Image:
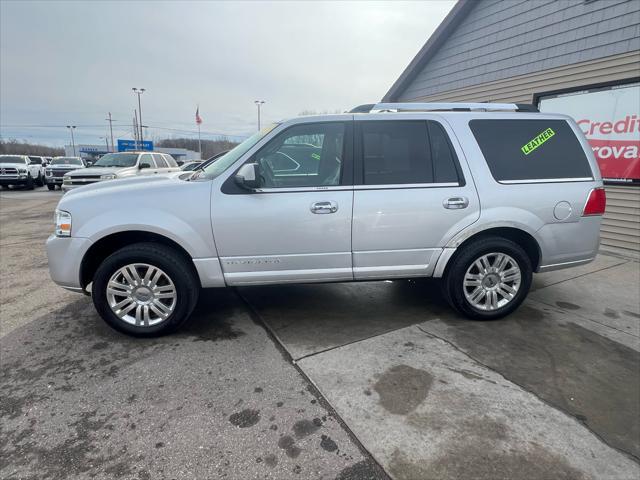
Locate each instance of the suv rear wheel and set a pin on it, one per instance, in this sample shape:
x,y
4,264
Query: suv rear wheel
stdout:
x,y
145,289
489,279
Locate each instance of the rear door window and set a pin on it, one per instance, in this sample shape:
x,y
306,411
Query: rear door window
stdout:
x,y
160,161
403,152
523,150
170,161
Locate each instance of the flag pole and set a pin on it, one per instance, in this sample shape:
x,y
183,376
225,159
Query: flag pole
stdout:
x,y
199,143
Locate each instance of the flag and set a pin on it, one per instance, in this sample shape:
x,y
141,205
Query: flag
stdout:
x,y
198,119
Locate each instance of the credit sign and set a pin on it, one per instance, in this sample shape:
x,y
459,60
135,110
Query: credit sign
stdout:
x,y
610,119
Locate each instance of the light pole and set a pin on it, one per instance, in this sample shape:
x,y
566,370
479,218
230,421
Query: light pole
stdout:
x,y
73,142
259,103
110,120
139,91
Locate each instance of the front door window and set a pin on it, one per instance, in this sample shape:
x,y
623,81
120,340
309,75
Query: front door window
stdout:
x,y
308,155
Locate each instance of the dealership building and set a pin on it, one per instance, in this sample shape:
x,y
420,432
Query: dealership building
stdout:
x,y
578,57
94,152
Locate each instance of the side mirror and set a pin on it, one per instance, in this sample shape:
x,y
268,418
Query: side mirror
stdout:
x,y
144,165
89,164
247,177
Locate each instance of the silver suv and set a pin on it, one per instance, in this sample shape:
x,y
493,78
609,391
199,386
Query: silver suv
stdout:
x,y
479,195
120,165
59,167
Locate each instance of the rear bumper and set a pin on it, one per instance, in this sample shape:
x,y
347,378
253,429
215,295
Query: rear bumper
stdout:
x,y
560,266
565,245
65,259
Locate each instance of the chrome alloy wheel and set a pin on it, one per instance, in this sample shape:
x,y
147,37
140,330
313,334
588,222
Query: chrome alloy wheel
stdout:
x,y
492,281
141,294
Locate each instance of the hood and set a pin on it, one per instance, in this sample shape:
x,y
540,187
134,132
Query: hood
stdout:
x,y
101,171
13,165
120,184
65,166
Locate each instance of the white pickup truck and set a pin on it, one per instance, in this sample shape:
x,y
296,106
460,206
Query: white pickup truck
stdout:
x,y
20,170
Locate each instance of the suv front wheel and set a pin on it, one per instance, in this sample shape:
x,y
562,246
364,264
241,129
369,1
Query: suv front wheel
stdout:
x,y
489,279
145,289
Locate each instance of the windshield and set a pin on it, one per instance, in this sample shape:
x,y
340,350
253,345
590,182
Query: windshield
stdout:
x,y
117,160
11,159
66,161
221,164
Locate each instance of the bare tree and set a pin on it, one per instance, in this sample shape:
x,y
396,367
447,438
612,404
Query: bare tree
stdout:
x,y
14,147
209,147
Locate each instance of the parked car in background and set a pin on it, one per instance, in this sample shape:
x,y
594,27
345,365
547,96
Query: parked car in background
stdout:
x,y
478,195
190,166
59,167
120,165
20,170
212,159
42,163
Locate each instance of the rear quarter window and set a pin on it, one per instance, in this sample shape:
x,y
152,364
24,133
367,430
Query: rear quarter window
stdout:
x,y
521,150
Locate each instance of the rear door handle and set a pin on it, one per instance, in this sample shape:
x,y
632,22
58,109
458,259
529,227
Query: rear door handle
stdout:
x,y
455,203
324,207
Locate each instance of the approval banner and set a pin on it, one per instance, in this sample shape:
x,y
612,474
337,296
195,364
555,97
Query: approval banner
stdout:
x,y
611,121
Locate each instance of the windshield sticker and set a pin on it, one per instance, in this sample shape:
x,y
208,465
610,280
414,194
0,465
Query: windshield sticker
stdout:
x,y
316,156
536,142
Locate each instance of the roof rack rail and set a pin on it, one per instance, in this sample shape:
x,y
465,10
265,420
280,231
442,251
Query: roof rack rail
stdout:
x,y
454,107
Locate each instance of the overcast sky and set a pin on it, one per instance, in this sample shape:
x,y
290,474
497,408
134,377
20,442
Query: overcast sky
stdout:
x,y
71,62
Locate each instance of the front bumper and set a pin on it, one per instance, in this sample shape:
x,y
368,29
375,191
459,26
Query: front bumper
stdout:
x,y
53,180
79,182
65,256
13,180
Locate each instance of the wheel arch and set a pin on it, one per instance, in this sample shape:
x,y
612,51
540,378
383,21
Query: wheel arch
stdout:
x,y
112,242
516,235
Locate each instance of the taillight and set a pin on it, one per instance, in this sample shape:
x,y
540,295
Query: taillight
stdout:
x,y
596,202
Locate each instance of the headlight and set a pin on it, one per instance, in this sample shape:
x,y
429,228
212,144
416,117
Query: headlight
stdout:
x,y
63,223
110,176
48,173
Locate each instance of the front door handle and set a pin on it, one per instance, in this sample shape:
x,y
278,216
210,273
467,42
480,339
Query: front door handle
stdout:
x,y
455,203
324,207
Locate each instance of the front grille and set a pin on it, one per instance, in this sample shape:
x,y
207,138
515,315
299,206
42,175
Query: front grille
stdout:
x,y
58,173
84,180
9,171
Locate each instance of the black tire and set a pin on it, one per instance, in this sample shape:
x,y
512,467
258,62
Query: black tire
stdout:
x,y
5,187
29,185
173,264
453,281
51,186
40,180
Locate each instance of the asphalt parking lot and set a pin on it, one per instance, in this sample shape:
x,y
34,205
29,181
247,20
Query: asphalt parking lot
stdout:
x,y
337,381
